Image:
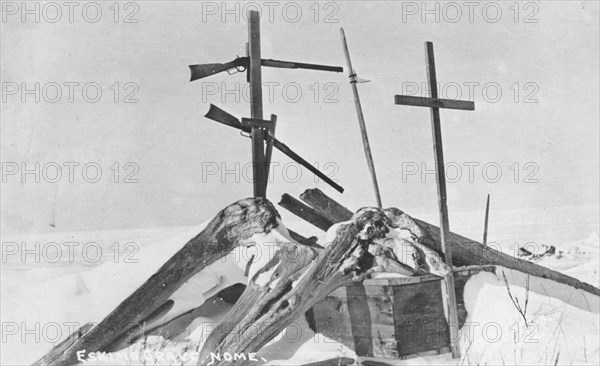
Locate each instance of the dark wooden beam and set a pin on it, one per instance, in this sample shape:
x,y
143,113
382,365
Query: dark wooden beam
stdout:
x,y
305,212
434,102
326,206
311,242
269,148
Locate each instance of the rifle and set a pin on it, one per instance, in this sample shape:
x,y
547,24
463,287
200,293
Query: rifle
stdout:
x,y
217,114
241,64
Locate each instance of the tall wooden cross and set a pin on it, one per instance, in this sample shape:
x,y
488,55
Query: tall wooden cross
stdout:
x,y
435,104
261,155
260,169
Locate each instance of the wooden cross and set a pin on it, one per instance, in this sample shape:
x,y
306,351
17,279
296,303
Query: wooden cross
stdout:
x,y
435,104
261,155
260,170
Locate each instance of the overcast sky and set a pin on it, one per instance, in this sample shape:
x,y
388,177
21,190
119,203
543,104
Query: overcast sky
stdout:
x,y
531,69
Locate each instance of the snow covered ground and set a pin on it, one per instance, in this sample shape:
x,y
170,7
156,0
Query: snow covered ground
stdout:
x,y
45,298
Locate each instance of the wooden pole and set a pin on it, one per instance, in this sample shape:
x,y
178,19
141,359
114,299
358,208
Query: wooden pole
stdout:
x,y
441,185
487,216
256,107
269,148
361,119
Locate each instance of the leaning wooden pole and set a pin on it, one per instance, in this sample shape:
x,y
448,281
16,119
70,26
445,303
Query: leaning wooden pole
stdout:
x,y
361,119
487,216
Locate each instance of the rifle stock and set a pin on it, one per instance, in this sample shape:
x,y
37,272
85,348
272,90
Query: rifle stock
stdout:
x,y
217,114
203,70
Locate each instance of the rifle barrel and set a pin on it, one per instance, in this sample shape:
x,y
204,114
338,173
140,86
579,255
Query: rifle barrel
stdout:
x,y
292,155
299,65
217,114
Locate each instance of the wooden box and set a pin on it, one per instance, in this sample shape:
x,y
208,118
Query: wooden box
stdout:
x,y
390,318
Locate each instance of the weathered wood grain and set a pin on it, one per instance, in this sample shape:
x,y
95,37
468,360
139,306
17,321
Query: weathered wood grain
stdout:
x,y
285,289
434,102
305,212
233,224
465,251
326,206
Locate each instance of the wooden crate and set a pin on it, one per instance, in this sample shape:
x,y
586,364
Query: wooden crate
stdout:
x,y
391,318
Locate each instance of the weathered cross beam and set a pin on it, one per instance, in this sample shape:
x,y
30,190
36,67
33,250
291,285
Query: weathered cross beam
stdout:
x,y
217,114
435,104
253,63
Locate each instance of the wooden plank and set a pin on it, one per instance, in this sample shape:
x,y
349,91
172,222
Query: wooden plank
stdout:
x,y
255,79
360,320
65,345
339,361
401,280
434,102
269,148
332,319
381,309
328,207
419,318
311,242
304,212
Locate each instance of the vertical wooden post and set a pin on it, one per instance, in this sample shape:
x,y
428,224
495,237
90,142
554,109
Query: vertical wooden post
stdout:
x,y
269,148
361,119
441,187
256,106
487,216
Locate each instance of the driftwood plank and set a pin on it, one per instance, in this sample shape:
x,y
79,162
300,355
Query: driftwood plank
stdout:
x,y
420,321
294,280
305,212
434,102
65,345
233,224
340,361
465,251
326,206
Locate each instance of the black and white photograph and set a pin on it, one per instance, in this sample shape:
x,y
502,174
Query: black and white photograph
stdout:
x,y
300,183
